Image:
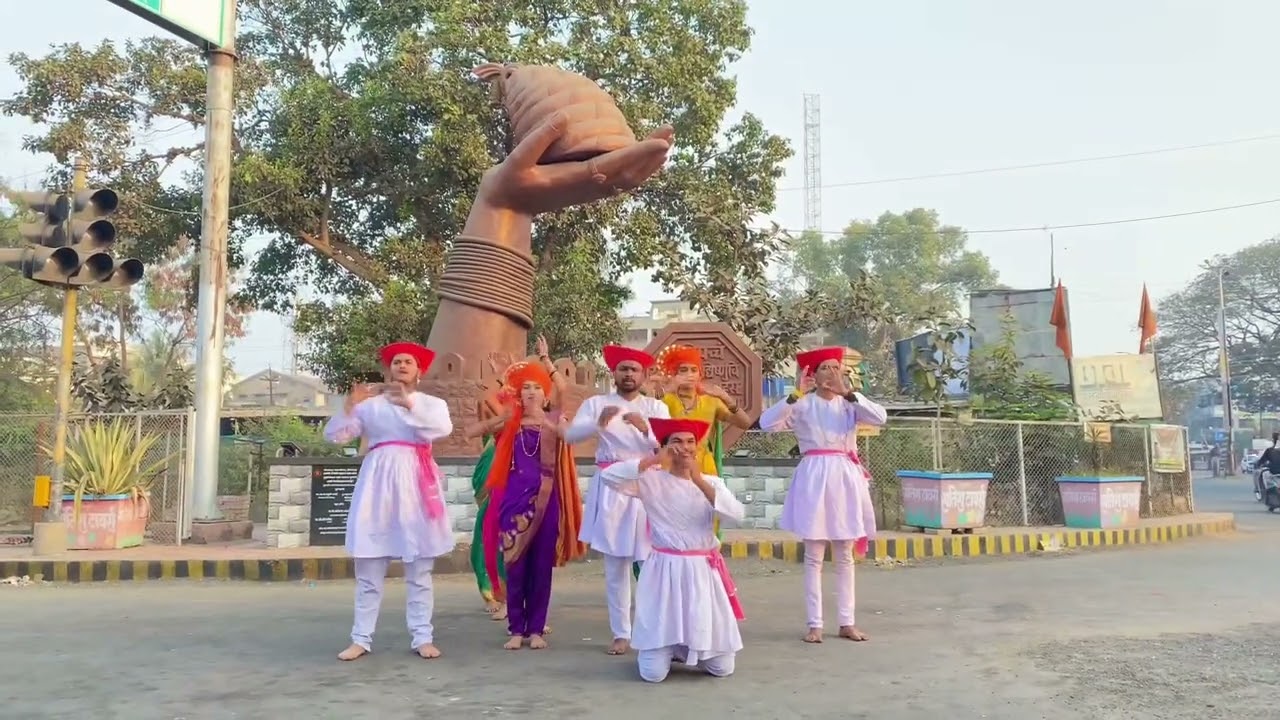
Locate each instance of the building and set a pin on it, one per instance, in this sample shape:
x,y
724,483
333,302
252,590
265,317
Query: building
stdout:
x,y
641,329
270,389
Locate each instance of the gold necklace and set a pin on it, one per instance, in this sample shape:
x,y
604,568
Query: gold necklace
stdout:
x,y
523,443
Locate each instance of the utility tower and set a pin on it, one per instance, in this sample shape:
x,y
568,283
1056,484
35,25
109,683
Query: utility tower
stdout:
x,y
812,163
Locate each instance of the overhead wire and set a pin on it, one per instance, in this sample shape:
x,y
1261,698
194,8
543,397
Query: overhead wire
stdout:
x,y
1045,164
1068,226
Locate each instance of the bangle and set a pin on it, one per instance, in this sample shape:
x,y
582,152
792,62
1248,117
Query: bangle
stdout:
x,y
732,408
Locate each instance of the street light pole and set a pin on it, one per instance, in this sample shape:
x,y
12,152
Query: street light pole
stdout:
x,y
1224,366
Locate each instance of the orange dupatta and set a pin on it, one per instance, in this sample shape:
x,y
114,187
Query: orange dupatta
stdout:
x,y
559,474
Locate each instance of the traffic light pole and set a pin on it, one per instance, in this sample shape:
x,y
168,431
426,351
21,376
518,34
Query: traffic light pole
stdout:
x,y
211,300
53,538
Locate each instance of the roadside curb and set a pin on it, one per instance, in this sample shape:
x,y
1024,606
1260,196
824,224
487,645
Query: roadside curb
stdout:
x,y
340,567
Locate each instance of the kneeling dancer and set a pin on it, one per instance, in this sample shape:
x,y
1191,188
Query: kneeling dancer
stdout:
x,y
397,508
687,607
830,495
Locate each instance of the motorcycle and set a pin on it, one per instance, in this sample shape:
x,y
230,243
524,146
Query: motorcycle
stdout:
x,y
1271,490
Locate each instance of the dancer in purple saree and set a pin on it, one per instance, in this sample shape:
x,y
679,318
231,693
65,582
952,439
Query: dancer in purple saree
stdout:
x,y
533,487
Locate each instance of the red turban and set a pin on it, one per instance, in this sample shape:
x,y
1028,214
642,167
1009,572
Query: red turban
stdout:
x,y
810,360
664,428
420,354
615,355
673,356
522,372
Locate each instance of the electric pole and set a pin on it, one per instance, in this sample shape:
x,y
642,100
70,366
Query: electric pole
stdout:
x,y
1224,365
211,300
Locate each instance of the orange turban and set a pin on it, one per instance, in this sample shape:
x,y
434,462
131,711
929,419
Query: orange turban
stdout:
x,y
673,356
522,372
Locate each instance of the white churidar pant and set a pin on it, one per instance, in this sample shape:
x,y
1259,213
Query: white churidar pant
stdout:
x,y
371,575
617,592
655,664
842,554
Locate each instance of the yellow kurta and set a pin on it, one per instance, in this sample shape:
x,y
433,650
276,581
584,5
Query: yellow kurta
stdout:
x,y
706,409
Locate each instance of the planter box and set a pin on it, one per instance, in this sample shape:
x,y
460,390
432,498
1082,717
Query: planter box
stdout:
x,y
107,522
945,501
1100,502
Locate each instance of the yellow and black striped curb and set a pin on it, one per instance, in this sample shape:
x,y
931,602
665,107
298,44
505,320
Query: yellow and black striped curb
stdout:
x,y
342,568
988,545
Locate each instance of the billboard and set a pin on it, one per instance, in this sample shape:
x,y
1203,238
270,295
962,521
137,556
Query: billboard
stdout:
x,y
1127,380
1035,341
905,352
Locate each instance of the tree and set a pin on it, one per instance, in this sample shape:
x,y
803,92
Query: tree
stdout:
x,y
361,137
1187,347
922,269
1002,389
26,340
163,317
938,363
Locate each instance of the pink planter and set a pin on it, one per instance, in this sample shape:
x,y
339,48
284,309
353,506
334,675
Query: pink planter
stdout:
x,y
1100,502
952,501
109,522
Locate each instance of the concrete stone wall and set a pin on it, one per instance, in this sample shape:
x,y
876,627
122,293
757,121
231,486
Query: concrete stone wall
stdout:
x,y
761,485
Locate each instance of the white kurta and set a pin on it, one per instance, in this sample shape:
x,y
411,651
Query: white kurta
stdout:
x,y
681,601
613,523
387,517
830,496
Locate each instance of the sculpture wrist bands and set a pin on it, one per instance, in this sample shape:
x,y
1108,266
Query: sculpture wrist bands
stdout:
x,y
491,276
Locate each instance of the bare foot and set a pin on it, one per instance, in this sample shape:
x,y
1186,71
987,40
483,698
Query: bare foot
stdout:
x,y
536,642
492,606
353,652
515,643
546,630
620,646
428,651
813,636
499,614
851,632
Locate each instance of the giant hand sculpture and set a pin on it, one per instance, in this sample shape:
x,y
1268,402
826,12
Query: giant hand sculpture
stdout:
x,y
570,150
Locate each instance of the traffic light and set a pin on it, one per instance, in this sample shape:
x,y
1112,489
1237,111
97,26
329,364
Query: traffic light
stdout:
x,y
70,245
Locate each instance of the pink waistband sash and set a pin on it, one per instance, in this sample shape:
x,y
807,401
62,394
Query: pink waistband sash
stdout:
x,y
428,475
717,564
862,545
852,455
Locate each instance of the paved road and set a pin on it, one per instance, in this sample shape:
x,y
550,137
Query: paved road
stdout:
x,y
1182,631
1235,495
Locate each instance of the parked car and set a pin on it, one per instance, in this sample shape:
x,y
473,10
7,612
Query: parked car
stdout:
x,y
1249,462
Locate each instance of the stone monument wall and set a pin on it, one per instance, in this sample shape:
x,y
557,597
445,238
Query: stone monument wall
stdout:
x,y
761,485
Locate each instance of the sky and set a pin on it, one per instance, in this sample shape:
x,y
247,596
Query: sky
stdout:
x,y
914,88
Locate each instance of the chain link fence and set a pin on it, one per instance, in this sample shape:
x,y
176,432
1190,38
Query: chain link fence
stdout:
x,y
1025,458
22,458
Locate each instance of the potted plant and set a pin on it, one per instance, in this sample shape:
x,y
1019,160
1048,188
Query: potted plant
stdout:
x,y
106,486
1106,496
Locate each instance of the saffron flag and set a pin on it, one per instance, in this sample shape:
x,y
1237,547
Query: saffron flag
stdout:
x,y
1060,320
1146,322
